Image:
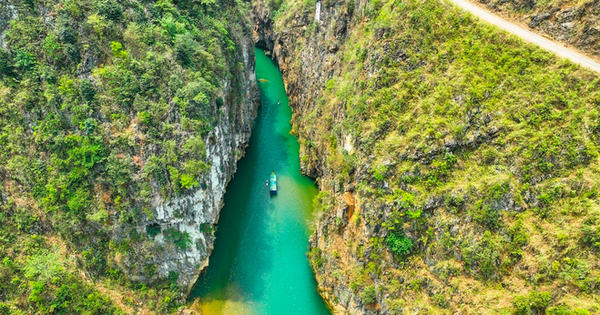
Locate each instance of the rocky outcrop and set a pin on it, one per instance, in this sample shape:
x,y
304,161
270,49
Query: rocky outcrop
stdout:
x,y
197,212
177,229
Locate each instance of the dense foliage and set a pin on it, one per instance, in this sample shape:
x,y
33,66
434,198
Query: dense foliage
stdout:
x,y
399,244
105,107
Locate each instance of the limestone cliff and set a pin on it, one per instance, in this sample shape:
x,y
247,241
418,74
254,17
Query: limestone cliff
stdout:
x,y
7,14
197,212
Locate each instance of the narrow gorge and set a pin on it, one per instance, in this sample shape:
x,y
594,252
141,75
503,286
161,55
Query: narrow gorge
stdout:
x,y
259,265
457,167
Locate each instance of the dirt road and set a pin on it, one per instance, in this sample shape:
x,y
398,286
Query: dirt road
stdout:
x,y
527,35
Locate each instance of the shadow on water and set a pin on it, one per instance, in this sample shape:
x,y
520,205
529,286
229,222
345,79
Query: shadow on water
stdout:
x,y
227,273
259,263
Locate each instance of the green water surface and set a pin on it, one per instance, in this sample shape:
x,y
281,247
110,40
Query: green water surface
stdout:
x,y
259,264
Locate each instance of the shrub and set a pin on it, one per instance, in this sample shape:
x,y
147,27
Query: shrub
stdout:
x,y
518,237
323,202
484,257
194,147
315,257
24,61
350,6
185,50
181,240
117,49
87,90
206,228
173,276
369,295
563,310
111,9
533,304
4,309
5,65
399,244
441,300
153,229
188,181
485,214
67,35
590,234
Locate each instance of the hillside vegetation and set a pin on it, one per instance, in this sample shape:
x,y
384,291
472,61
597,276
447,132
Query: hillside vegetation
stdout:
x,y
104,109
458,165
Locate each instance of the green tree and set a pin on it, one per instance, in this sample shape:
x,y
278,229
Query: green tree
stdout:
x,y
399,244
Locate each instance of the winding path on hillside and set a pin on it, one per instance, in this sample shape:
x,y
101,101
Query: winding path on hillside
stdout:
x,y
527,35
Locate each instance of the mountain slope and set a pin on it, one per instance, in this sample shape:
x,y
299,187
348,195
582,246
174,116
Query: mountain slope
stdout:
x,y
120,124
458,166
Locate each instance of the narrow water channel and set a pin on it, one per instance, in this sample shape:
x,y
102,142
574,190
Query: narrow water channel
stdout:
x,y
259,264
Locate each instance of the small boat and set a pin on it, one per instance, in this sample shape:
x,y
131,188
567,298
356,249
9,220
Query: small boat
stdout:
x,y
273,183
279,102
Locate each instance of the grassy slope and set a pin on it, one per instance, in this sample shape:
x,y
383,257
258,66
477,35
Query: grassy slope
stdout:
x,y
480,148
88,90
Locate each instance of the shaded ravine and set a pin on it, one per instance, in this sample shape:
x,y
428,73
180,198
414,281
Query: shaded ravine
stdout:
x,y
259,264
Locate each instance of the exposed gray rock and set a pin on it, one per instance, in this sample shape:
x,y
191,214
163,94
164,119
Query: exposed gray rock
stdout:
x,y
538,19
7,13
197,211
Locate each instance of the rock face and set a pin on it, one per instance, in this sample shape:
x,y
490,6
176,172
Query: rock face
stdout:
x,y
7,13
305,82
197,212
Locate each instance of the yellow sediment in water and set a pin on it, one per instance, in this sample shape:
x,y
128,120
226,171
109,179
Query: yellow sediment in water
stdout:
x,y
218,307
259,264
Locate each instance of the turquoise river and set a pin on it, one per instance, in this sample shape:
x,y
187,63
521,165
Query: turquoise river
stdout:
x,y
259,264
